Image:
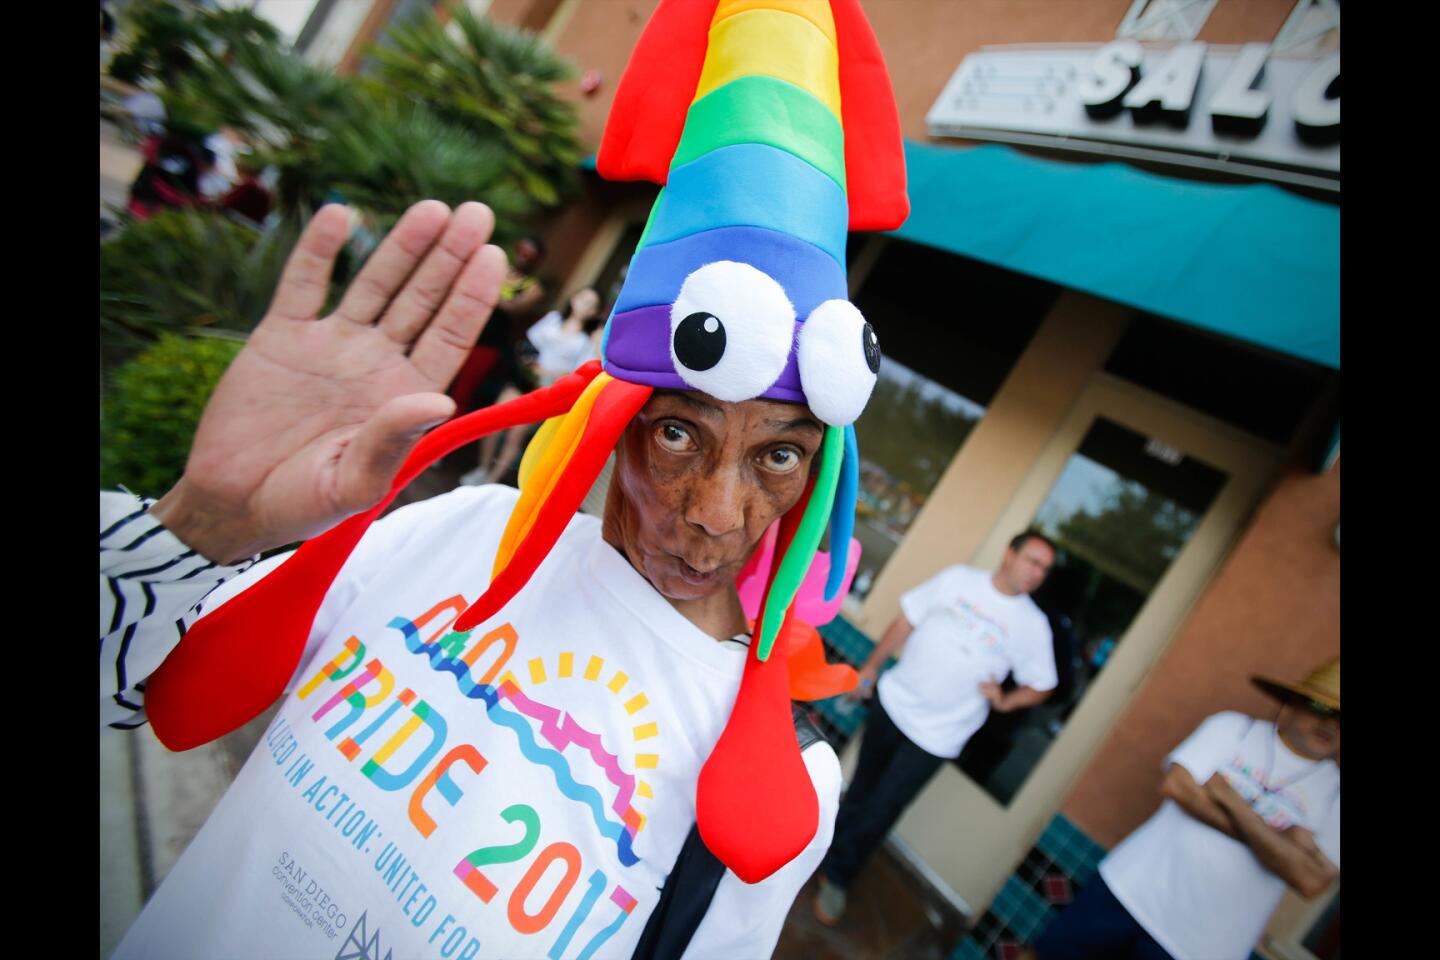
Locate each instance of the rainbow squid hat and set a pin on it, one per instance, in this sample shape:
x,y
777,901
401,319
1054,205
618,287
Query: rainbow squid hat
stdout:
x,y
772,125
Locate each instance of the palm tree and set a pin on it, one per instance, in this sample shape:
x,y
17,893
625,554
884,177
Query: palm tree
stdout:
x,y
494,81
455,118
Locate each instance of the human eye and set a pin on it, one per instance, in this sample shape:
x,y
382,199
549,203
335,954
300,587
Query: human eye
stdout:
x,y
675,438
781,460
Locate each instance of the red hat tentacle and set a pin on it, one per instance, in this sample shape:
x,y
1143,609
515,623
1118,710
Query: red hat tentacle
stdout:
x,y
755,804
615,406
234,663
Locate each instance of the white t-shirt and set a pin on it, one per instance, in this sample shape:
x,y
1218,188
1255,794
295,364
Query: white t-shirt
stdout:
x,y
224,175
965,633
518,791
559,351
1199,893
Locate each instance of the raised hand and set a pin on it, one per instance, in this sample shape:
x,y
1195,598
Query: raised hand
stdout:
x,y
314,417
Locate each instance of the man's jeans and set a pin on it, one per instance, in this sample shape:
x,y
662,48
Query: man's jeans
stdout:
x,y
889,774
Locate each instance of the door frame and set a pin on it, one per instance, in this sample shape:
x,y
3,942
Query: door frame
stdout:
x,y
972,842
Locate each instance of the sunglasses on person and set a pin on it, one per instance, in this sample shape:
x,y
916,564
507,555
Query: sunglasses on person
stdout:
x,y
1321,709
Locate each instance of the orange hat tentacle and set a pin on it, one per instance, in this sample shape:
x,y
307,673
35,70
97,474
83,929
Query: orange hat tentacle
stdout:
x,y
614,405
226,671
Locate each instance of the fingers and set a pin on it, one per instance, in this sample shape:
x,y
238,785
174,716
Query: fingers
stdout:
x,y
306,280
372,459
391,265
424,294
448,340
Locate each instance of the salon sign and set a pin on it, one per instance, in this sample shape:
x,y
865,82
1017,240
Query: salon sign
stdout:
x,y
1233,108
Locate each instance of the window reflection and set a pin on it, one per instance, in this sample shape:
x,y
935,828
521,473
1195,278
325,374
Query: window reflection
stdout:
x,y
908,434
1121,510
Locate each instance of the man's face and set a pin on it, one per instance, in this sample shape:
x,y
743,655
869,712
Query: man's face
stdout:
x,y
527,255
1023,570
699,480
1314,732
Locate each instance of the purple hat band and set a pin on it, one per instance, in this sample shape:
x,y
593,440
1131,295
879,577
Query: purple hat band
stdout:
x,y
638,350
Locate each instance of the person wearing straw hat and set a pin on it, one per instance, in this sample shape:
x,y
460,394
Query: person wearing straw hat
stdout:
x,y
1251,807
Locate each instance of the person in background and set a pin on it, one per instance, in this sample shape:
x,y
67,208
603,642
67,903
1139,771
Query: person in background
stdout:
x,y
522,289
495,372
563,339
962,632
170,178
1250,807
248,198
561,342
107,36
226,145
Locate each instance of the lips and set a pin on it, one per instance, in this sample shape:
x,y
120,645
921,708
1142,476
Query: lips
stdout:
x,y
694,576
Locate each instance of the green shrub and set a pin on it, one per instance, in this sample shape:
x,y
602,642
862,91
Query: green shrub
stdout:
x,y
186,271
496,82
164,37
149,413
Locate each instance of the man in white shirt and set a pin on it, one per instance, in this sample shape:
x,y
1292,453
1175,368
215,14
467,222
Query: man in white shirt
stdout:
x,y
962,632
1251,807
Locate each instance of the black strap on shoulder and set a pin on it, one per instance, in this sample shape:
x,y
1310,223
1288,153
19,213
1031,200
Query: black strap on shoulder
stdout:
x,y
684,900
805,730
686,896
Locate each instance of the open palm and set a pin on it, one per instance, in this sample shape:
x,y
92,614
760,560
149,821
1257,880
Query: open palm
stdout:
x,y
314,417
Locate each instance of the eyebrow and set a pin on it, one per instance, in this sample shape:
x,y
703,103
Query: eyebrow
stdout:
x,y
797,422
692,401
707,409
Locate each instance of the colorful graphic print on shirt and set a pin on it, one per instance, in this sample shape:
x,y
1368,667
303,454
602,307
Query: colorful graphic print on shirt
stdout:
x,y
1280,808
357,684
977,627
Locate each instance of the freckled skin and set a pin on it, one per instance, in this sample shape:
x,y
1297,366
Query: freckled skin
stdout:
x,y
697,482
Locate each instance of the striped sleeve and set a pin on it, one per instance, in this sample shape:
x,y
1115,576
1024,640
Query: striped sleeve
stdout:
x,y
152,588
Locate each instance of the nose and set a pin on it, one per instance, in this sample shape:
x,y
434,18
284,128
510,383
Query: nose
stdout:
x,y
717,503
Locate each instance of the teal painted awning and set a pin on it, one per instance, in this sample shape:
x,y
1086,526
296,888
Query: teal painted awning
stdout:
x,y
1251,262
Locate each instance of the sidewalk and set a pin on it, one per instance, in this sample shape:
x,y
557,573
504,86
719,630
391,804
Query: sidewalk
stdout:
x,y
152,803
120,164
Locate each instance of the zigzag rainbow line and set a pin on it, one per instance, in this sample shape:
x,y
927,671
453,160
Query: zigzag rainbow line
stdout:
x,y
525,737
562,734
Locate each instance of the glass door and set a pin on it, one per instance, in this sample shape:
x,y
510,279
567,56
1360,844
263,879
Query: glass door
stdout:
x,y
1144,497
1121,511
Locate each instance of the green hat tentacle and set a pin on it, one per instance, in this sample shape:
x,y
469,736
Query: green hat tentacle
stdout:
x,y
798,556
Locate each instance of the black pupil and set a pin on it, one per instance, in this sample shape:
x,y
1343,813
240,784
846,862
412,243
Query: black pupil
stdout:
x,y
872,348
700,341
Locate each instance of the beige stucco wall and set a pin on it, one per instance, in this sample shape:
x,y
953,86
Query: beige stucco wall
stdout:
x,y
1071,344
1272,609
923,40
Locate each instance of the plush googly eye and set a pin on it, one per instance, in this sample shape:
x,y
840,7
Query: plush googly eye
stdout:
x,y
731,329
839,360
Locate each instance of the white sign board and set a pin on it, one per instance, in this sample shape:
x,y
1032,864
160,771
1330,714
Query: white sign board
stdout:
x,y
1225,108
